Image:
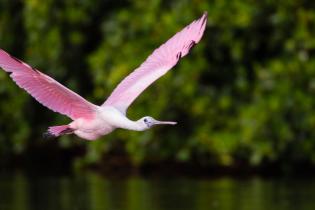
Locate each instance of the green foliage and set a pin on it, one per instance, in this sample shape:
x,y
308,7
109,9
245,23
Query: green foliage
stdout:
x,y
245,92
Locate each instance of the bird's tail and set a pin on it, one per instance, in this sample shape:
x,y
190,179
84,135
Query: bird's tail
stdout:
x,y
55,131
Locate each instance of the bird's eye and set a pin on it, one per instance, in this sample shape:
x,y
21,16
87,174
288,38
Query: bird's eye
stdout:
x,y
145,120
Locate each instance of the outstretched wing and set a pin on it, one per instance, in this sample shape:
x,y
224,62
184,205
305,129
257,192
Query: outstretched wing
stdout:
x,y
46,90
157,64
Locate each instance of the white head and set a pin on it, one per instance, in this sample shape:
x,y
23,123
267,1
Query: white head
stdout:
x,y
147,122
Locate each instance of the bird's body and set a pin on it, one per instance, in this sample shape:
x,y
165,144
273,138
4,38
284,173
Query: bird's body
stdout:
x,y
106,120
91,121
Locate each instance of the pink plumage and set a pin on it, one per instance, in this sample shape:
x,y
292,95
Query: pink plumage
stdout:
x,y
157,64
91,121
46,90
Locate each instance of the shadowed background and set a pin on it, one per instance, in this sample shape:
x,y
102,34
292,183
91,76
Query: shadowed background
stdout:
x,y
244,96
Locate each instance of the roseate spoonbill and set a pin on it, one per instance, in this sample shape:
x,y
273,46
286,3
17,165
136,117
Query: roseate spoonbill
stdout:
x,y
91,121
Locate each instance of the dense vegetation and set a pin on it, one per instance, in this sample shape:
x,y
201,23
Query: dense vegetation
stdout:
x,y
244,94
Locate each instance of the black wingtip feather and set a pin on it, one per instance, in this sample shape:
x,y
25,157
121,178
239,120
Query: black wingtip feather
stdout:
x,y
179,55
192,44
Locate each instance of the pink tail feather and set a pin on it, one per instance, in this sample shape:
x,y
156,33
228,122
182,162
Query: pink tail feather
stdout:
x,y
55,131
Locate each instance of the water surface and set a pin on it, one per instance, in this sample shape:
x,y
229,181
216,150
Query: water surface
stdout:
x,y
94,192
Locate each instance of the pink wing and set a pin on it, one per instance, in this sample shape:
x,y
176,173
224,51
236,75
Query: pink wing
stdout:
x,y
157,64
46,90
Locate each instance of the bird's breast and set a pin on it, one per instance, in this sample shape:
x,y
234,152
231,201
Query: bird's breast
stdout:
x,y
91,129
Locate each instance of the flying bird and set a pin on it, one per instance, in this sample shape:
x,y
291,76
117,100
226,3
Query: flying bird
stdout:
x,y
90,121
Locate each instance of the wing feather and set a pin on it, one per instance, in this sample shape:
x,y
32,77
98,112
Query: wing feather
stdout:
x,y
156,65
46,90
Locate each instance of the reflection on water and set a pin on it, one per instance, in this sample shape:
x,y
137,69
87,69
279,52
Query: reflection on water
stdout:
x,y
93,192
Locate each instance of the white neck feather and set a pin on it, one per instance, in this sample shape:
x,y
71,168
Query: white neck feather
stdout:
x,y
115,118
133,125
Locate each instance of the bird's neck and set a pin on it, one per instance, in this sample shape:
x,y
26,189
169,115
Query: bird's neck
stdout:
x,y
119,120
133,125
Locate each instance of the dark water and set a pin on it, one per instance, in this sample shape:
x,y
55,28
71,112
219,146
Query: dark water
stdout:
x,y
93,192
